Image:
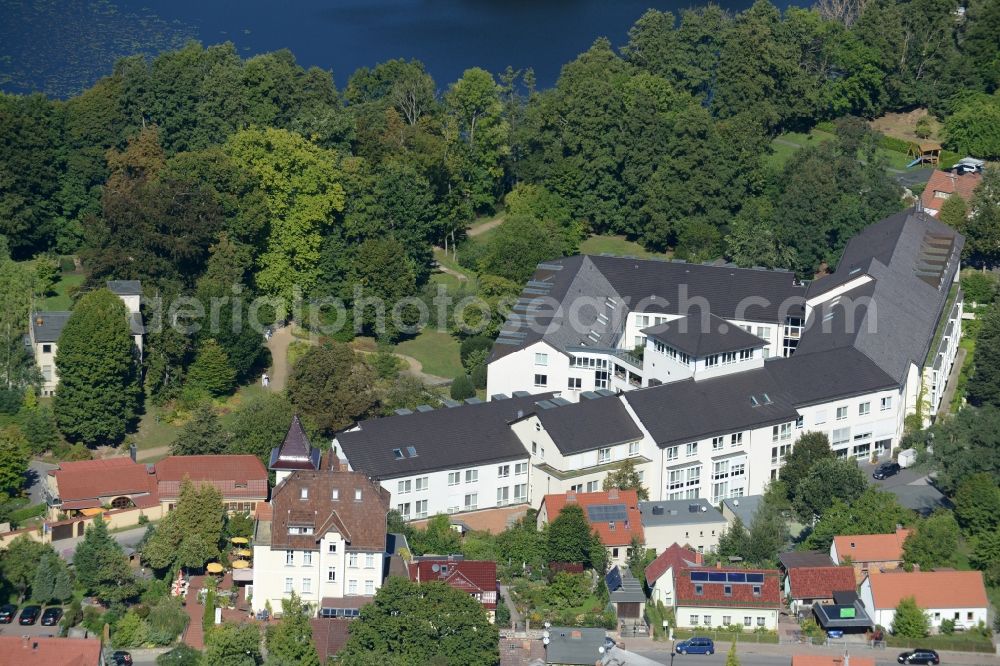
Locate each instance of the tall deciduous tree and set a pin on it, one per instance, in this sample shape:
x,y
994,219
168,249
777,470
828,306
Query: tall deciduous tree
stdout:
x,y
101,566
569,537
211,371
982,230
984,384
977,504
260,424
190,534
98,391
14,457
827,480
934,543
233,645
910,621
331,387
874,512
967,444
201,435
427,623
290,641
809,449
626,478
20,561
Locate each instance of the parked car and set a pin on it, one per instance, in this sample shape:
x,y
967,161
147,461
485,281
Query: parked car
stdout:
x,y
29,614
121,658
835,633
7,613
696,646
919,656
885,470
51,616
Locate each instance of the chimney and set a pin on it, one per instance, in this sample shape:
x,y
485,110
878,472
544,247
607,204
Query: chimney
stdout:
x,y
613,494
718,564
132,452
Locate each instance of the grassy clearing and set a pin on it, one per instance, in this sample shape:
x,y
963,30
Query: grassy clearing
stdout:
x,y
618,246
154,430
784,146
436,350
60,298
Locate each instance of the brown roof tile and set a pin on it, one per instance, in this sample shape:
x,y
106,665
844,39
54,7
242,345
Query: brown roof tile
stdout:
x,y
361,522
329,635
742,596
471,576
820,582
949,183
236,476
872,547
19,650
930,589
674,557
88,479
623,532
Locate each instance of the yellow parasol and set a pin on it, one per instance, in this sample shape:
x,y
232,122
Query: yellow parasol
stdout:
x,y
214,568
243,552
239,540
241,564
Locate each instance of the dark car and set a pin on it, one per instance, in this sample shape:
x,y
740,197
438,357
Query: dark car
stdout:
x,y
696,645
885,470
29,614
51,616
7,613
121,658
919,656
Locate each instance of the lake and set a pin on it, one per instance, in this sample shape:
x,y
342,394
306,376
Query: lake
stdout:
x,y
61,46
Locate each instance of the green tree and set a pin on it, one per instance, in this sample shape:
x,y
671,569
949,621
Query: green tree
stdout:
x,y
330,387
167,619
982,229
731,658
874,512
189,536
462,388
20,562
201,435
259,425
517,246
101,566
40,430
231,644
130,631
986,555
974,126
967,444
569,537
377,273
977,504
522,545
933,543
954,212
429,623
979,287
18,286
626,478
98,391
52,581
437,538
14,459
182,655
809,448
302,194
828,479
984,384
211,371
290,641
910,621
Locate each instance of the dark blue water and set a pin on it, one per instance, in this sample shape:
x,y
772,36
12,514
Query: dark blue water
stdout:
x,y
61,46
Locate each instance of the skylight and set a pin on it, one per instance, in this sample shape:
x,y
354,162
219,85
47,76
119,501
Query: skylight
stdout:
x,y
397,454
411,451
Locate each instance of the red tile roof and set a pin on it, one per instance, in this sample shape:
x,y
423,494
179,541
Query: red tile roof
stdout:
x,y
90,479
236,476
742,596
872,547
476,577
622,533
820,582
930,589
675,558
329,635
20,650
949,183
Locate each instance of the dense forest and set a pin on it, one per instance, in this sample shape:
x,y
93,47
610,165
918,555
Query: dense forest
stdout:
x,y
198,170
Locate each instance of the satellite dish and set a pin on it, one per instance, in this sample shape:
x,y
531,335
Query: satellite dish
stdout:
x,y
435,568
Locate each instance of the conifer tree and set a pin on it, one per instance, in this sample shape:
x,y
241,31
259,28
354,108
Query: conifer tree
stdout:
x,y
211,370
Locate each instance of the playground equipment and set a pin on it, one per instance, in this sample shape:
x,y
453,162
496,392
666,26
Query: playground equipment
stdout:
x,y
924,152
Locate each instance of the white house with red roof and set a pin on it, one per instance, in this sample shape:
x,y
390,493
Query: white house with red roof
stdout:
x,y
613,514
477,578
717,597
959,596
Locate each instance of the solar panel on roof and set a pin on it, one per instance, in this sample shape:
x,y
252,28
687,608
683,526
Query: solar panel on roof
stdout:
x,y
737,578
613,579
605,513
755,578
717,577
699,576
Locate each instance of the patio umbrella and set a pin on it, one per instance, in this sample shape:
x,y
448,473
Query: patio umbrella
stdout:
x,y
239,540
213,568
243,552
241,564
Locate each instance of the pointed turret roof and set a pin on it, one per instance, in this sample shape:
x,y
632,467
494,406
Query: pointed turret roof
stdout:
x,y
295,452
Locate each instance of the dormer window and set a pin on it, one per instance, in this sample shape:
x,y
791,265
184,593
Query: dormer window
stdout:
x,y
397,454
756,590
335,494
357,495
304,493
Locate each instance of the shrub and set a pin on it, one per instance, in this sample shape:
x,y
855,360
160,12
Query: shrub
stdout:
x,y
130,631
947,626
167,620
923,128
208,618
182,655
471,345
478,376
503,613
462,388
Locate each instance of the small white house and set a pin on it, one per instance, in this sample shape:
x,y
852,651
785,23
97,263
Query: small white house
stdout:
x,y
944,595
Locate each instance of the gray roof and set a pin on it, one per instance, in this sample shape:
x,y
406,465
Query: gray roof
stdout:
x,y
679,512
125,287
745,508
48,326
445,438
920,497
587,425
793,559
912,260
574,645
618,285
701,335
623,587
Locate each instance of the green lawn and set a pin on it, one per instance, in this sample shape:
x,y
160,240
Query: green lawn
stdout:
x,y
154,430
436,350
784,146
60,300
619,246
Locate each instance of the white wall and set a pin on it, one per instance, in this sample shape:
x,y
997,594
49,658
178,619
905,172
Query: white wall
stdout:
x,y
717,616
516,371
963,617
702,537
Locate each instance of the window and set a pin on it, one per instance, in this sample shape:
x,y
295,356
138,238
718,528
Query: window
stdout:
x,y
783,431
864,408
708,620
719,491
454,478
711,361
736,439
471,475
764,332
332,548
603,455
331,575
503,471
756,590
46,349
289,585
369,560
289,558
520,469
404,487
576,488
592,486
727,590
352,587
421,508
357,495
369,587
541,359
691,449
471,501
421,484
404,509
672,452
307,585
575,383
694,620
799,422
397,454
841,413
335,494
727,620
521,492
747,621
303,493
840,437
534,448
720,469
886,403
307,558
633,449
746,354
820,416
503,496
541,380
718,443
352,560
47,372
760,621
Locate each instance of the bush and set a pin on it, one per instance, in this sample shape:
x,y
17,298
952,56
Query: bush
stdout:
x,y
471,345
478,376
947,626
462,388
208,618
923,128
503,613
73,616
130,631
167,620
182,655
892,143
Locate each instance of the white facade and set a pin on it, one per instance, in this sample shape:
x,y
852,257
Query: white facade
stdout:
x,y
704,617
966,617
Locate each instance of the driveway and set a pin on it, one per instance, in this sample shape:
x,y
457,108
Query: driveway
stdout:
x,y
908,476
35,481
127,538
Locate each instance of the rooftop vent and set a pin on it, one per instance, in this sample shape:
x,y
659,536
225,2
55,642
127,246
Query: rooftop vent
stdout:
x,y
693,508
657,510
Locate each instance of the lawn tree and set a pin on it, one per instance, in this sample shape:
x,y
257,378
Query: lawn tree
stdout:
x,y
20,562
289,643
809,448
910,621
233,645
201,435
977,504
626,478
874,512
569,537
934,542
828,479
190,534
98,391
102,569
330,387
211,371
427,623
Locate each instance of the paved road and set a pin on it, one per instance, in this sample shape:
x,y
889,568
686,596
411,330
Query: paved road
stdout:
x,y
780,655
35,481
